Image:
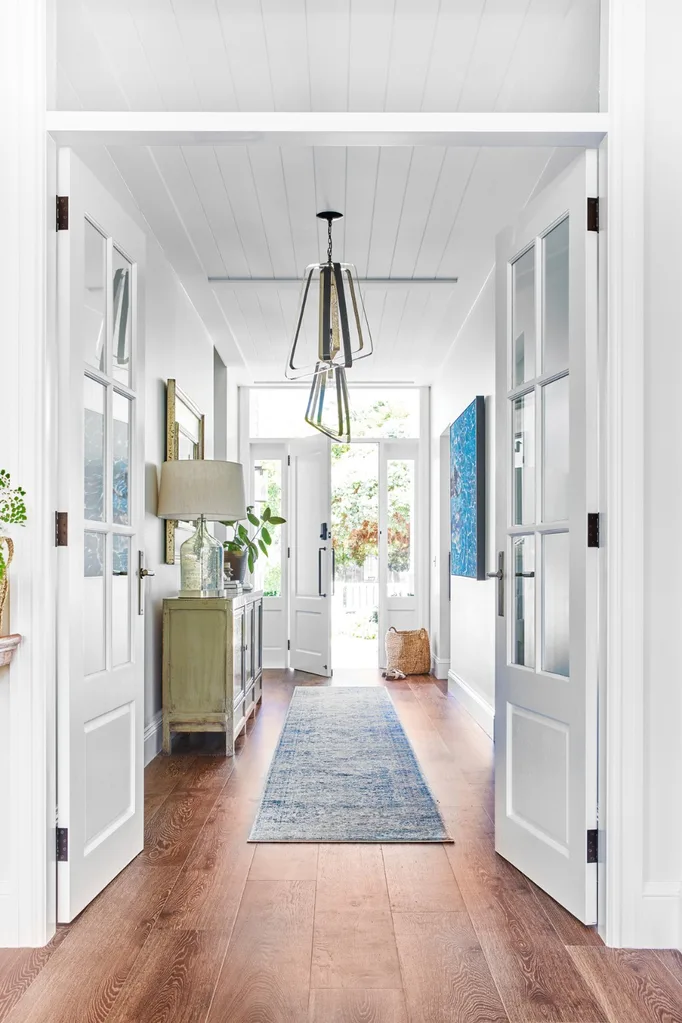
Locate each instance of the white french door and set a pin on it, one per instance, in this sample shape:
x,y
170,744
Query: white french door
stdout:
x,y
311,555
100,265
546,484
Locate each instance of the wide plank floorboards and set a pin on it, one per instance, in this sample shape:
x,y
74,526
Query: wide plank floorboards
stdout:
x,y
205,927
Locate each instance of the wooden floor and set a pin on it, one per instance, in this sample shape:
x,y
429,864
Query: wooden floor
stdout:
x,y
203,926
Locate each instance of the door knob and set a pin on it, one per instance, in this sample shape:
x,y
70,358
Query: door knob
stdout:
x,y
144,572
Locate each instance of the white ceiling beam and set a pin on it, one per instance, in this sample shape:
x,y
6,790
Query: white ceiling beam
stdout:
x,y
262,284
165,128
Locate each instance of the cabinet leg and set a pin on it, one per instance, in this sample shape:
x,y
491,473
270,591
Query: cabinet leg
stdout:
x,y
166,737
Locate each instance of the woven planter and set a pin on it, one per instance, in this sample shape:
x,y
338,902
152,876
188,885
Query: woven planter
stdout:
x,y
409,652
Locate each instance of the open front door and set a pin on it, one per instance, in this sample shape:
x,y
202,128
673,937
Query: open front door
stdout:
x,y
100,651
547,477
311,555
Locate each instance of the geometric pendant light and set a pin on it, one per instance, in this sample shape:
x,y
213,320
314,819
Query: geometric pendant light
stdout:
x,y
331,333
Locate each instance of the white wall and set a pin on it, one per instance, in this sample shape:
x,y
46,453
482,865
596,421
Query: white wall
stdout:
x,y
662,830
468,371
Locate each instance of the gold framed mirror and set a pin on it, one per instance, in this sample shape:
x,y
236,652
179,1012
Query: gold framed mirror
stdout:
x,y
185,429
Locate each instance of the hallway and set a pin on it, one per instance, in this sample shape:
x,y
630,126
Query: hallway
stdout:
x,y
205,927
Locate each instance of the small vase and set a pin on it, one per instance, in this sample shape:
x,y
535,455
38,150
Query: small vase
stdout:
x,y
236,563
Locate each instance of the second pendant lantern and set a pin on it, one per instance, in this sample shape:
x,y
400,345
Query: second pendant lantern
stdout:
x,y
331,333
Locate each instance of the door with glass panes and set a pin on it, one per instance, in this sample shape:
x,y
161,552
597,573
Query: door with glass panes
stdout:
x,y
547,573
100,265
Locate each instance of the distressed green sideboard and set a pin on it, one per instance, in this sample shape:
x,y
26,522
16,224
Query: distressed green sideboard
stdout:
x,y
212,664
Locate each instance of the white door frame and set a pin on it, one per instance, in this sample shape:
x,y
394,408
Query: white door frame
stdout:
x,y
28,63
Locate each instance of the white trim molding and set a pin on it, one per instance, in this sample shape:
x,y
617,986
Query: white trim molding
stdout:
x,y
27,419
661,915
329,128
481,711
152,738
621,812
440,667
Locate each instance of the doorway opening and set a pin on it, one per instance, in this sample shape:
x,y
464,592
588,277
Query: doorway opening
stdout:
x,y
355,555
362,568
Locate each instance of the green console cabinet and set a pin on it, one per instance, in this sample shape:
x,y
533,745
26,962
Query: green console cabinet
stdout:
x,y
212,664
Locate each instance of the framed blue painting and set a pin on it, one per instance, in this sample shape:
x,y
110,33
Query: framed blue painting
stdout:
x,y
467,492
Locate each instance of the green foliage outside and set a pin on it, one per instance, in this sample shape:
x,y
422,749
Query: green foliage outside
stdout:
x,y
12,510
355,499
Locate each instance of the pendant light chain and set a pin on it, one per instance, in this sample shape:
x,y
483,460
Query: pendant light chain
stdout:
x,y
329,241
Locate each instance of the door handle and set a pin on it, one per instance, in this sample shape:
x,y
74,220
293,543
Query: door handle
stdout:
x,y
142,574
319,571
499,575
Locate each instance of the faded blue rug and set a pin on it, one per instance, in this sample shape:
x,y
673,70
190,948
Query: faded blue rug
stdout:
x,y
344,771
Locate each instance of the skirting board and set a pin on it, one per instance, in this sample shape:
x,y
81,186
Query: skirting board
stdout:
x,y
479,708
152,738
660,923
440,667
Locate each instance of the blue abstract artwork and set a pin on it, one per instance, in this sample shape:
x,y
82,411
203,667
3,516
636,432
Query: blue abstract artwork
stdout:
x,y
467,492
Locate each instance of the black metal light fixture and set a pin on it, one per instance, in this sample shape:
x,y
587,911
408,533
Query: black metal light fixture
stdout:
x,y
331,334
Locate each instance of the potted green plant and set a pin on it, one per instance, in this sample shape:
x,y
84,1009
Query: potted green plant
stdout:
x,y
242,550
12,513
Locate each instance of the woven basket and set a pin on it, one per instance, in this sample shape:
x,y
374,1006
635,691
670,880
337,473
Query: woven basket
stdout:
x,y
409,652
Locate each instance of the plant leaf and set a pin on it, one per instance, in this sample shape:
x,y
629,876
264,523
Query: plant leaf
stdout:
x,y
276,520
250,561
263,547
242,532
253,519
266,536
266,515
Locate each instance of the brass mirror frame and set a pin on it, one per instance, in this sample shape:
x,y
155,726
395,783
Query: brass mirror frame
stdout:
x,y
175,396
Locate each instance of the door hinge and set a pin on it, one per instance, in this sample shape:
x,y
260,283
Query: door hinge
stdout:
x,y
592,214
62,213
288,552
288,644
62,845
61,529
288,459
593,529
592,845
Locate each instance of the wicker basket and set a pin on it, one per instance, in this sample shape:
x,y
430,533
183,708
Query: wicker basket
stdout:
x,y
409,652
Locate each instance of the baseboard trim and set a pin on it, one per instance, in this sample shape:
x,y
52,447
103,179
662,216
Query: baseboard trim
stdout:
x,y
661,920
440,667
152,738
479,708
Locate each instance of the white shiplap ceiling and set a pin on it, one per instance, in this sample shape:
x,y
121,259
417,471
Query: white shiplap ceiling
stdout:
x,y
249,211
438,55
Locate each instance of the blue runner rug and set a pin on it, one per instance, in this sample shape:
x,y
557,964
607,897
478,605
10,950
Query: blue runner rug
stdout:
x,y
344,771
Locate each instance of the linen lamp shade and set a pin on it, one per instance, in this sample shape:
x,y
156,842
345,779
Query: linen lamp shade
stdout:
x,y
192,488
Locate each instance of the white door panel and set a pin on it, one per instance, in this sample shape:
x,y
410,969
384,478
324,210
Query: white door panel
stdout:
x,y
311,555
546,459
101,426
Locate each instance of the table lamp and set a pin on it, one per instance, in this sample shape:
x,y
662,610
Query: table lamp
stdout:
x,y
201,490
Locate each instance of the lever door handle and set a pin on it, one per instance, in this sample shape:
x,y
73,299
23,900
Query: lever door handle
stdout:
x,y
145,573
142,574
319,571
499,575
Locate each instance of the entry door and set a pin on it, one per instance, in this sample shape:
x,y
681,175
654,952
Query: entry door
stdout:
x,y
547,440
311,555
100,652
